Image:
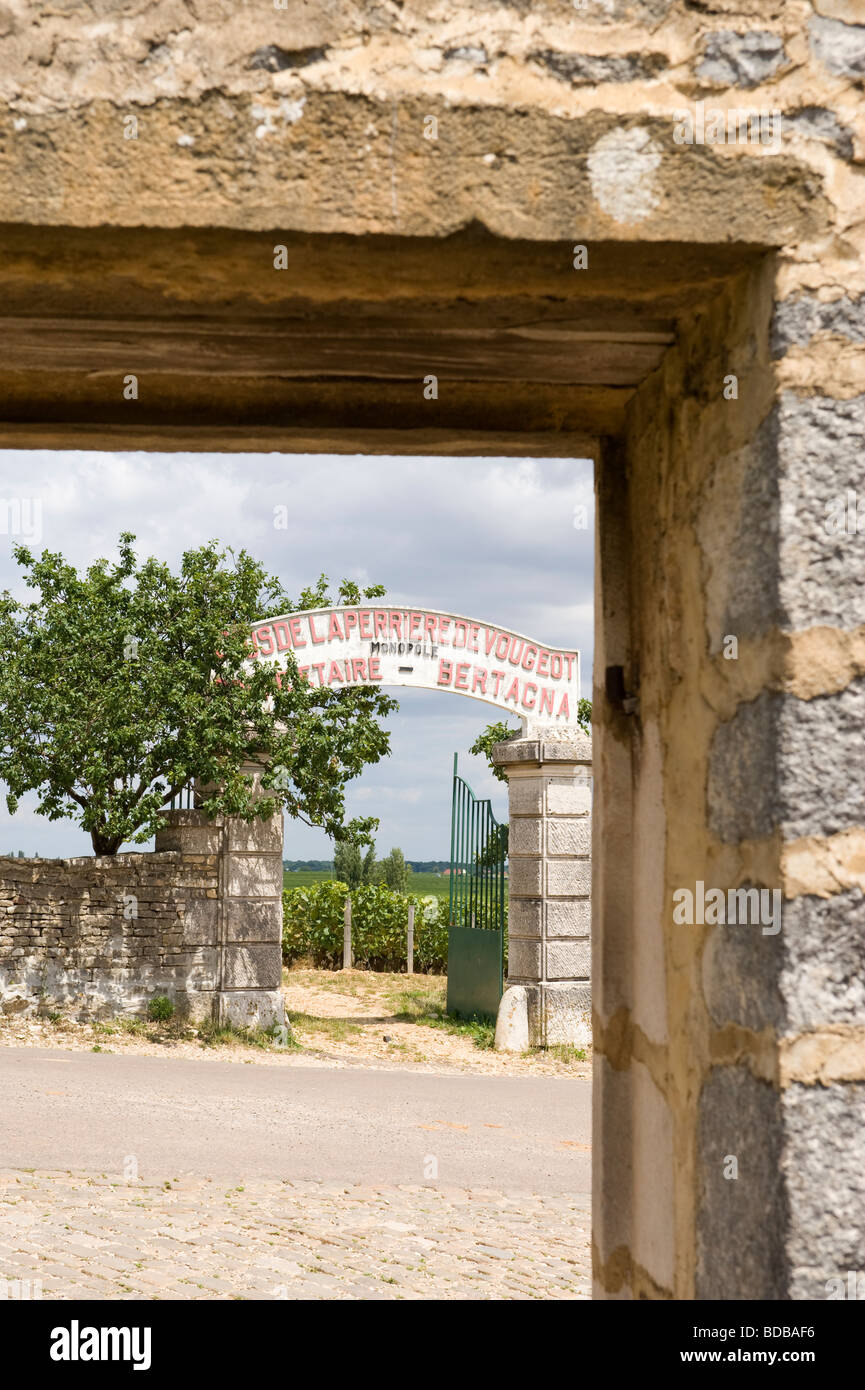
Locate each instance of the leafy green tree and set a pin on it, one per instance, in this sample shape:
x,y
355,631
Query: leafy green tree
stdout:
x,y
394,871
352,867
121,685
500,732
491,735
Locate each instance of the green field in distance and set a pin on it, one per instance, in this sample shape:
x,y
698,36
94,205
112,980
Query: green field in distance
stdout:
x,y
416,883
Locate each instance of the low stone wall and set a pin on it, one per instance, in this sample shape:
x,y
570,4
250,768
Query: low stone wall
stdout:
x,y
107,934
198,920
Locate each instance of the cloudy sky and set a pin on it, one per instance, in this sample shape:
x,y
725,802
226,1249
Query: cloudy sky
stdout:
x,y
499,540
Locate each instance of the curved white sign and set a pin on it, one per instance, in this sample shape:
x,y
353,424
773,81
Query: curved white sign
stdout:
x,y
425,648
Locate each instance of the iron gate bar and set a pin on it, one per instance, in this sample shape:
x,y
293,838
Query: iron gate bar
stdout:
x,y
476,905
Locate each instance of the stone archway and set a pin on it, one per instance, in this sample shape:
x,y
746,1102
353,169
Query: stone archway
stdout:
x,y
501,200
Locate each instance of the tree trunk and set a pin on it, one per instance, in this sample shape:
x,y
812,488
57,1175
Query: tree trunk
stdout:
x,y
104,844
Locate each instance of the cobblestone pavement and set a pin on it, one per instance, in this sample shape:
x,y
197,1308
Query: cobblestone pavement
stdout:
x,y
95,1237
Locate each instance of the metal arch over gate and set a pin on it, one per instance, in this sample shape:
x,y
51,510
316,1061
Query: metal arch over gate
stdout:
x,y
476,930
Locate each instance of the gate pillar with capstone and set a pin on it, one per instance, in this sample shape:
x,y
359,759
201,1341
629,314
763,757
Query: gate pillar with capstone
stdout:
x,y
246,923
547,998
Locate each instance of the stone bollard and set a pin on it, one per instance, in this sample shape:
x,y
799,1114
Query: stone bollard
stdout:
x,y
549,890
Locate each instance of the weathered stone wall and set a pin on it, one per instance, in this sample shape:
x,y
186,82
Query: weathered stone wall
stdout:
x,y
553,121
730,1097
104,935
199,920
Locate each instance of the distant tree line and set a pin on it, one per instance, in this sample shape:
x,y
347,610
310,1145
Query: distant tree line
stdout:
x,y
418,866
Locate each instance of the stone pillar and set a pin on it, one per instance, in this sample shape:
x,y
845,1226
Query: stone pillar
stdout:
x,y
729,1048
549,888
248,912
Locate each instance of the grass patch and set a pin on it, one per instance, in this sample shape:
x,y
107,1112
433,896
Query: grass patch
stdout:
x,y
337,1029
428,1007
563,1052
211,1034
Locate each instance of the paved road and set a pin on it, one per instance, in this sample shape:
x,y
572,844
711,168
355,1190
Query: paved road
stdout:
x,y
146,1177
81,1110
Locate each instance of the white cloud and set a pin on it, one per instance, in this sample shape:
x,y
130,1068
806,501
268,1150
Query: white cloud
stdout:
x,y
491,538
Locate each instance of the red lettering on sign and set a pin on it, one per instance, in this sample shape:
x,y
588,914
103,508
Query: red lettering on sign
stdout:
x,y
303,672
429,626
374,671
444,676
546,706
334,674
515,654
498,677
358,668
570,660
365,628
444,624
297,636
267,641
513,691
319,667
461,678
350,620
474,632
479,680
415,625
334,629
283,640
534,690
529,657
543,666
459,632
564,708
380,623
317,641
502,644
489,640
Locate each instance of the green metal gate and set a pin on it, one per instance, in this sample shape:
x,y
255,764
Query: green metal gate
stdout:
x,y
476,932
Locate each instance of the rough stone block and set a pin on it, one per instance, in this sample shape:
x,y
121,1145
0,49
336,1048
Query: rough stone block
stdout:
x,y
569,877
263,1008
571,917
822,970
784,763
565,797
526,795
525,878
566,1012
262,836
741,1222
524,959
741,970
824,1165
200,921
526,835
525,917
252,967
741,60
247,920
253,875
573,837
189,832
569,960
839,46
